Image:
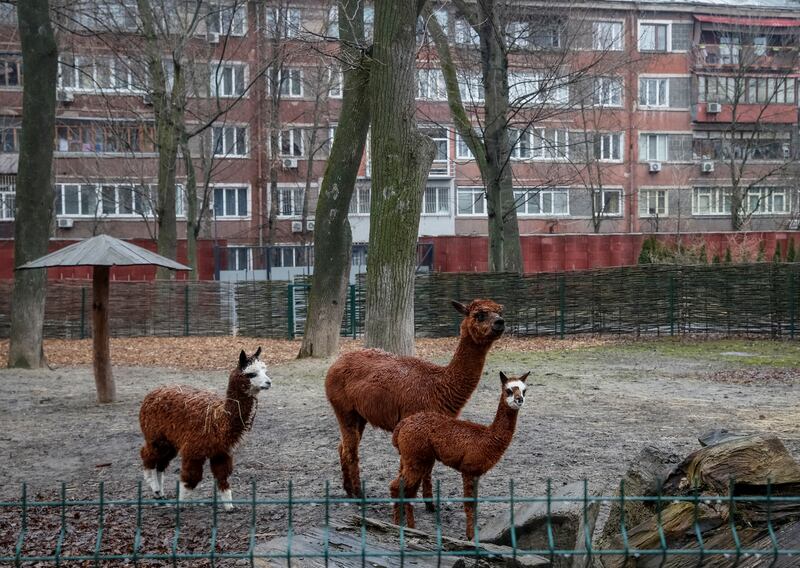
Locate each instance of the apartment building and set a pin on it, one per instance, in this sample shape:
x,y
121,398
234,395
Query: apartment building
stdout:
x,y
625,117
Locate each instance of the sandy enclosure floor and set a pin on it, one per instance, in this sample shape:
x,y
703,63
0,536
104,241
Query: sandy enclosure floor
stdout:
x,y
587,413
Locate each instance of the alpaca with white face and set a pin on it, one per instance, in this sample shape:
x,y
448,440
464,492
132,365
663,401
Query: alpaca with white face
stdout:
x,y
472,449
200,425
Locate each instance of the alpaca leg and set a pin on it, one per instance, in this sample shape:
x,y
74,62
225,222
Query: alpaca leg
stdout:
x,y
351,426
166,454
427,493
150,460
469,508
221,468
191,474
410,488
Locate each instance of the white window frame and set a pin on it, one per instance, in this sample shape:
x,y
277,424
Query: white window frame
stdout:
x,y
335,82
8,197
645,92
442,197
645,142
293,133
602,193
465,34
617,43
667,43
235,188
293,250
719,201
524,199
230,152
218,81
288,79
360,202
604,90
605,139
653,194
462,150
138,200
478,194
248,260
765,204
470,86
238,28
431,85
292,24
295,195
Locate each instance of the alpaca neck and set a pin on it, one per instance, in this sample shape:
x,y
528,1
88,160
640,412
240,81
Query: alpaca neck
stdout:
x,y
464,372
239,407
505,422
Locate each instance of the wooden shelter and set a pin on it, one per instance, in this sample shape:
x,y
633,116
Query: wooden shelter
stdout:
x,y
102,252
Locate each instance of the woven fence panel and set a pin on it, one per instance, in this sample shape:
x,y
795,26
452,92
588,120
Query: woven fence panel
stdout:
x,y
262,309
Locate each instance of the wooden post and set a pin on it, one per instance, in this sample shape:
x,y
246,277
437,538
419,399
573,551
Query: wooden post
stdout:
x,y
104,380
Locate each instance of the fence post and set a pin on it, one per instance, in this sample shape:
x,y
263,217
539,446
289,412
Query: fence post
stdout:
x,y
353,309
672,304
83,312
290,310
186,310
562,303
792,295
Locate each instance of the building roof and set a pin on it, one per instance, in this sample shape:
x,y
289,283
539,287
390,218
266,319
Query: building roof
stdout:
x,y
103,250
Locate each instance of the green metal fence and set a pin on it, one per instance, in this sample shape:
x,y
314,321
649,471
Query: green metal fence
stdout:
x,y
59,542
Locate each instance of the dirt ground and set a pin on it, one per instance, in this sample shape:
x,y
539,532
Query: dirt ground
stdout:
x,y
589,409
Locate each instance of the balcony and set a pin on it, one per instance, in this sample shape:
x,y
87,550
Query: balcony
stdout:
x,y
441,169
748,57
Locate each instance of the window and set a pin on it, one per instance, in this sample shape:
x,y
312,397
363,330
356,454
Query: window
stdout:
x,y
228,80
230,202
608,202
291,82
332,25
607,91
442,18
290,201
359,203
10,71
549,202
229,141
108,199
7,198
518,35
227,18
431,85
441,139
653,148
767,200
462,150
539,144
436,200
471,201
654,36
754,146
291,143
465,34
654,92
470,85
546,34
291,256
653,202
526,89
100,137
91,74
335,82
239,258
608,147
285,22
607,36
9,139
711,201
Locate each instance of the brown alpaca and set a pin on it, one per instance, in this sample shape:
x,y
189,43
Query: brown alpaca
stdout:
x,y
375,387
472,449
200,425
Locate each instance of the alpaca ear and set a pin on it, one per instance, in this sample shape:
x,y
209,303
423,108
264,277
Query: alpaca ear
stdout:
x,y
461,308
257,353
242,360
525,376
503,378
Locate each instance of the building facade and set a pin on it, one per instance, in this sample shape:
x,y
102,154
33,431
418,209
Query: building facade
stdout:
x,y
625,117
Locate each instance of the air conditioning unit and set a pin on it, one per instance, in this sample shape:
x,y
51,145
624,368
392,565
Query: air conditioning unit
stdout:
x,y
213,38
147,100
655,167
309,225
787,152
713,108
289,163
64,96
794,224
66,223
707,167
297,226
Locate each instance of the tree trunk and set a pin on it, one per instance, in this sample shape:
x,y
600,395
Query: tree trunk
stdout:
x,y
505,253
34,204
332,238
103,378
402,158
193,220
274,149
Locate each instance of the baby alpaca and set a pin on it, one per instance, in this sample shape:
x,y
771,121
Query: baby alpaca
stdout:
x,y
200,425
472,449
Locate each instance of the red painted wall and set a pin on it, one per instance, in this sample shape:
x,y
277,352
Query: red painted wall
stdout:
x,y
205,262
555,253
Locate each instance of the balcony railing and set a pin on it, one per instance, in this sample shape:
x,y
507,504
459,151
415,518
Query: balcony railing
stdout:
x,y
754,56
441,168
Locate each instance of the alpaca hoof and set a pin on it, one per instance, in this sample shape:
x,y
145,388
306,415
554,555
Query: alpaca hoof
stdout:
x,y
228,507
430,507
159,495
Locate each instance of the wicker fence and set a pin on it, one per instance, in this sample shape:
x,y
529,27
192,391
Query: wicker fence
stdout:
x,y
650,299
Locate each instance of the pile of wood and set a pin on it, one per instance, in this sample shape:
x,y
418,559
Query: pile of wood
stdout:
x,y
748,465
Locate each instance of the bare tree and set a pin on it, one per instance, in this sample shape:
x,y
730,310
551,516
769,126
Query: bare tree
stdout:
x,y
34,203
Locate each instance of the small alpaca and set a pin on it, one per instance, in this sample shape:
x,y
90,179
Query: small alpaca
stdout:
x,y
200,425
472,449
379,388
